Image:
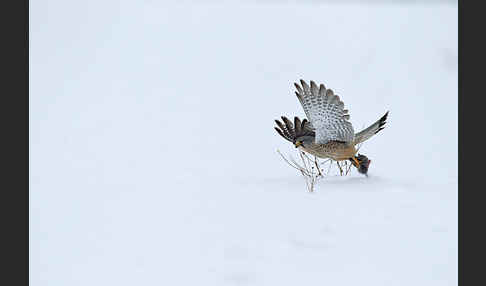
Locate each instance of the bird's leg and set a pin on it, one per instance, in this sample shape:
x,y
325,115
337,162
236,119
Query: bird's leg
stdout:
x,y
317,166
340,169
348,168
356,161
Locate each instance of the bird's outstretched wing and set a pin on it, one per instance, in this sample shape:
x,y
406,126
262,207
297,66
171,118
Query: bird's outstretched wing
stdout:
x,y
291,131
374,128
325,112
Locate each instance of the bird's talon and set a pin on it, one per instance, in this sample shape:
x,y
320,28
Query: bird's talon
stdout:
x,y
356,162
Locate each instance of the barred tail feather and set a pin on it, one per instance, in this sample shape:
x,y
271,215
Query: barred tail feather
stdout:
x,y
371,130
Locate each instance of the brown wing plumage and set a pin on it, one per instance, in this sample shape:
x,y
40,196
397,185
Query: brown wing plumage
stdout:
x,y
290,131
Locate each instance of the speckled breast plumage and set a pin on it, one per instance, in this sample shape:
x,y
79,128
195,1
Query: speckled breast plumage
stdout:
x,y
334,150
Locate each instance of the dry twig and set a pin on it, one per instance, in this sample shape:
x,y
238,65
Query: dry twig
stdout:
x,y
311,168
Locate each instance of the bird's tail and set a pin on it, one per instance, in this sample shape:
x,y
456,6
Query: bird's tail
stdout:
x,y
374,128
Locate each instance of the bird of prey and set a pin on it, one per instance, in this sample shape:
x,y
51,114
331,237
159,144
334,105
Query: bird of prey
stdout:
x,y
327,132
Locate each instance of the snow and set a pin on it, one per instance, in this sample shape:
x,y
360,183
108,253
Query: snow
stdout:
x,y
153,156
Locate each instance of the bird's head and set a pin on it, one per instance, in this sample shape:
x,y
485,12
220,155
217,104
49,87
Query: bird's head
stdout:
x,y
303,141
362,163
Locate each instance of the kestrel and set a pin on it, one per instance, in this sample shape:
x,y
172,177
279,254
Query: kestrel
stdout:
x,y
327,132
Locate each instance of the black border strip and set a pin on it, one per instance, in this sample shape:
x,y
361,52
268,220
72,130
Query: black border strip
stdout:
x,y
14,116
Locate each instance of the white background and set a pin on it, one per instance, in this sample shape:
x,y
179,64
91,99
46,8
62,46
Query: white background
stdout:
x,y
153,156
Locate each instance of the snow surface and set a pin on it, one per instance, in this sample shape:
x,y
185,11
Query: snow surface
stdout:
x,y
153,156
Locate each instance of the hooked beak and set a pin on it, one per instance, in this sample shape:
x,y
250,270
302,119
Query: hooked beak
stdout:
x,y
298,143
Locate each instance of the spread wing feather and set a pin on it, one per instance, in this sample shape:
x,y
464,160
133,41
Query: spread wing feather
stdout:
x,y
326,113
291,132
